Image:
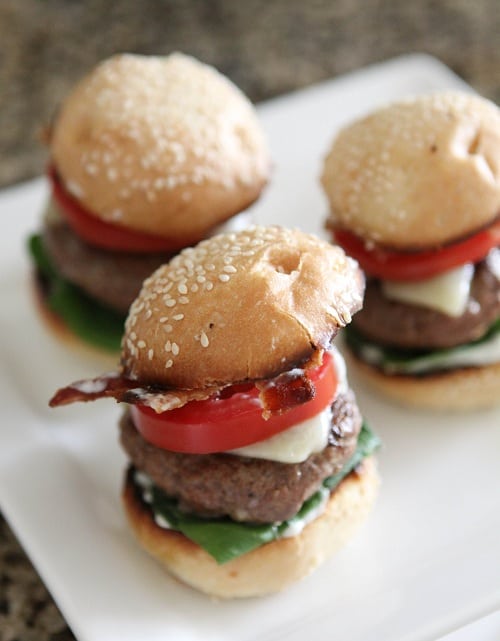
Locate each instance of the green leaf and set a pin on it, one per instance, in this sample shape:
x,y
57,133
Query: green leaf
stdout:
x,y
87,318
368,442
225,539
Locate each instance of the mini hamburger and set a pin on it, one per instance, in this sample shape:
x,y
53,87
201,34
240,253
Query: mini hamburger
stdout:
x,y
414,192
249,460
147,155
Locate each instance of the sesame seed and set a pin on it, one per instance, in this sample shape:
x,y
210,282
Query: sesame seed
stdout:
x,y
141,344
223,278
204,339
91,169
178,317
163,319
208,286
170,302
175,349
74,188
169,363
230,269
182,289
150,354
168,346
183,300
168,328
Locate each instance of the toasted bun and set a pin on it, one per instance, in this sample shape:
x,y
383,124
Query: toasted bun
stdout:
x,y
468,388
267,569
418,173
164,145
240,306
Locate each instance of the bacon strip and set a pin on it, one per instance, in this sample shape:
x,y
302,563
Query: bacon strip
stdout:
x,y
277,394
126,390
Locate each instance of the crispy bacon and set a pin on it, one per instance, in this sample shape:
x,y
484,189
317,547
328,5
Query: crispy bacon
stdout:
x,y
285,391
277,394
126,390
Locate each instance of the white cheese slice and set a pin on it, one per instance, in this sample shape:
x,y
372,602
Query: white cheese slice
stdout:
x,y
295,444
447,293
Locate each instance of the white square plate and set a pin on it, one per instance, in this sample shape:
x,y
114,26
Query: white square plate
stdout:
x,y
426,562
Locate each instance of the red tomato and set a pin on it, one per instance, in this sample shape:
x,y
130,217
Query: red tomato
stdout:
x,y
230,420
103,234
412,266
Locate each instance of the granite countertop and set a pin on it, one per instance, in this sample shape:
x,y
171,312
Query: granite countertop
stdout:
x,y
267,48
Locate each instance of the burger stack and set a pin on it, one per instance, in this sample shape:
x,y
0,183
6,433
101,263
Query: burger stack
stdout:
x,y
250,463
414,192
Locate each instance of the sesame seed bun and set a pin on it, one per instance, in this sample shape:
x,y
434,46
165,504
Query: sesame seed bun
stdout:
x,y
267,569
240,306
418,173
162,145
457,390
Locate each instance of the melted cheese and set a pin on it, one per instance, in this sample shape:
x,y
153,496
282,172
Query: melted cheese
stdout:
x,y
447,293
295,444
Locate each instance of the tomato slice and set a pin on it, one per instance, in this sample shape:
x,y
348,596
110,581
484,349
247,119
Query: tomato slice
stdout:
x,y
232,419
412,266
102,234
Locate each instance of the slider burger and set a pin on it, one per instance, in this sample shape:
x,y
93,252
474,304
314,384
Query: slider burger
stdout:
x,y
414,190
249,461
147,155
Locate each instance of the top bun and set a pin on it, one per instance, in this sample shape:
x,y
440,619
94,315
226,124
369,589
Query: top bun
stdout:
x,y
418,173
166,146
239,306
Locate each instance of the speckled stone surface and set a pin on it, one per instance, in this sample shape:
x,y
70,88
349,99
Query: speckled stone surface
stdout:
x,y
267,48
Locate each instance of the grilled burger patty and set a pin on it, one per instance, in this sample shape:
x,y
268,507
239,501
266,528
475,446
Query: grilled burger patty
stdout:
x,y
396,324
246,489
113,278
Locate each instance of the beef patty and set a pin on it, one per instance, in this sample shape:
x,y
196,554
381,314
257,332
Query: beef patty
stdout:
x,y
111,277
396,324
246,489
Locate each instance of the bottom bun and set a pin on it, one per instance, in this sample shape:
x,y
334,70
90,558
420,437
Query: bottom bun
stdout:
x,y
467,388
271,567
61,332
